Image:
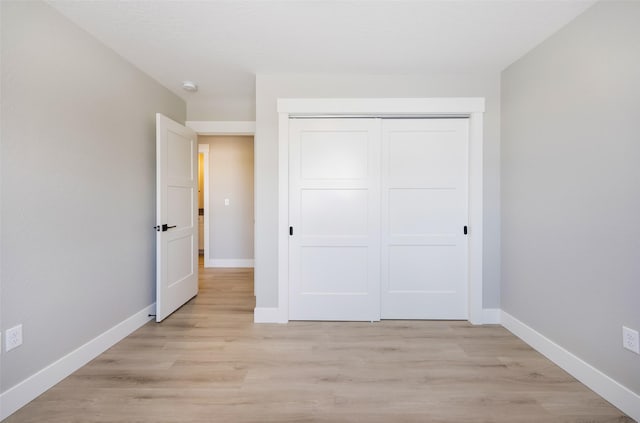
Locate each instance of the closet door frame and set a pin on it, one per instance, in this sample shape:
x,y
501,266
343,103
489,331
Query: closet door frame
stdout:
x,y
473,108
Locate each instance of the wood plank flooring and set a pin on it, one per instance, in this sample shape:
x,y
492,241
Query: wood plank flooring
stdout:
x,y
209,363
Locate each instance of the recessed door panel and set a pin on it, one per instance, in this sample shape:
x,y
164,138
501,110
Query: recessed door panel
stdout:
x,y
179,263
334,212
180,157
421,156
419,212
424,269
334,270
329,154
177,214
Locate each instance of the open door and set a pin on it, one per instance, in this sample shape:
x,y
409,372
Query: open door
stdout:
x,y
176,216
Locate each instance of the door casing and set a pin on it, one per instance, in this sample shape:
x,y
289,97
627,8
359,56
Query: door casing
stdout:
x,y
204,150
473,108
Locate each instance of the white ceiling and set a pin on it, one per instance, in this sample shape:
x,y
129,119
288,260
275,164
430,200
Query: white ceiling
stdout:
x,y
222,44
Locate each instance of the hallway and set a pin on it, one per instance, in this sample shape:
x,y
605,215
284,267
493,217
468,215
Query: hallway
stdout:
x,y
209,363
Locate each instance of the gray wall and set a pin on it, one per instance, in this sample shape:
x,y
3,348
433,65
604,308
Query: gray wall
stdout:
x,y
230,176
78,186
271,87
223,108
571,187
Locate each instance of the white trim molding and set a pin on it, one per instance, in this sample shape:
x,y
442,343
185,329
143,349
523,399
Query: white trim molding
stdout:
x,y
202,127
476,233
473,108
209,262
268,315
381,106
609,389
19,395
491,316
204,150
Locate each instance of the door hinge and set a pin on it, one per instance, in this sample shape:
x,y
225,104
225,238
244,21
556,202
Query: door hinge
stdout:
x,y
290,230
465,230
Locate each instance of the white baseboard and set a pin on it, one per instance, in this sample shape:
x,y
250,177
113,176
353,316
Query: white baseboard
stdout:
x,y
491,316
229,262
21,394
617,394
268,315
273,315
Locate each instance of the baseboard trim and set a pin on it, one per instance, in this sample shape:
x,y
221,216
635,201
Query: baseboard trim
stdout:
x,y
491,316
229,263
24,392
609,389
268,315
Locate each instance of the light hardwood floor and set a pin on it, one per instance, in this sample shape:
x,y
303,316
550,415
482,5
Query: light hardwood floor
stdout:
x,y
209,363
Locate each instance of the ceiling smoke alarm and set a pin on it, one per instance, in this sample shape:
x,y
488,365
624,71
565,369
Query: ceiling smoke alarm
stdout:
x,y
189,86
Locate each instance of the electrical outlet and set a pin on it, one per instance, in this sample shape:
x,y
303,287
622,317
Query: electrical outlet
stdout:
x,y
630,339
13,337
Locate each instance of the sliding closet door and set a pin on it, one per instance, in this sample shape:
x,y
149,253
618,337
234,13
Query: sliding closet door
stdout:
x,y
334,200
424,213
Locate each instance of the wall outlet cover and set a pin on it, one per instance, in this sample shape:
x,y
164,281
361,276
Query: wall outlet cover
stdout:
x,y
631,339
13,337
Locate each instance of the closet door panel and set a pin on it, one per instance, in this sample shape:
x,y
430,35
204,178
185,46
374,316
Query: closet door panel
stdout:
x,y
334,212
424,211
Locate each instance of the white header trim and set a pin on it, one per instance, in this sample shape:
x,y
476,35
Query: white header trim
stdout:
x,y
235,127
381,106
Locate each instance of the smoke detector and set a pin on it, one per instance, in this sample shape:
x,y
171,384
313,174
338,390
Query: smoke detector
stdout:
x,y
190,86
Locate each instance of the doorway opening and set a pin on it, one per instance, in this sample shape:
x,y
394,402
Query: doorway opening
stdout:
x,y
218,128
226,189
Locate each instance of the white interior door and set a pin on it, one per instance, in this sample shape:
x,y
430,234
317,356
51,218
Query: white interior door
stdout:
x,y
424,216
334,215
177,197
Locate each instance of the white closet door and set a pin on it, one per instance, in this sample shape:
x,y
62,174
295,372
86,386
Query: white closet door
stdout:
x,y
334,205
424,212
